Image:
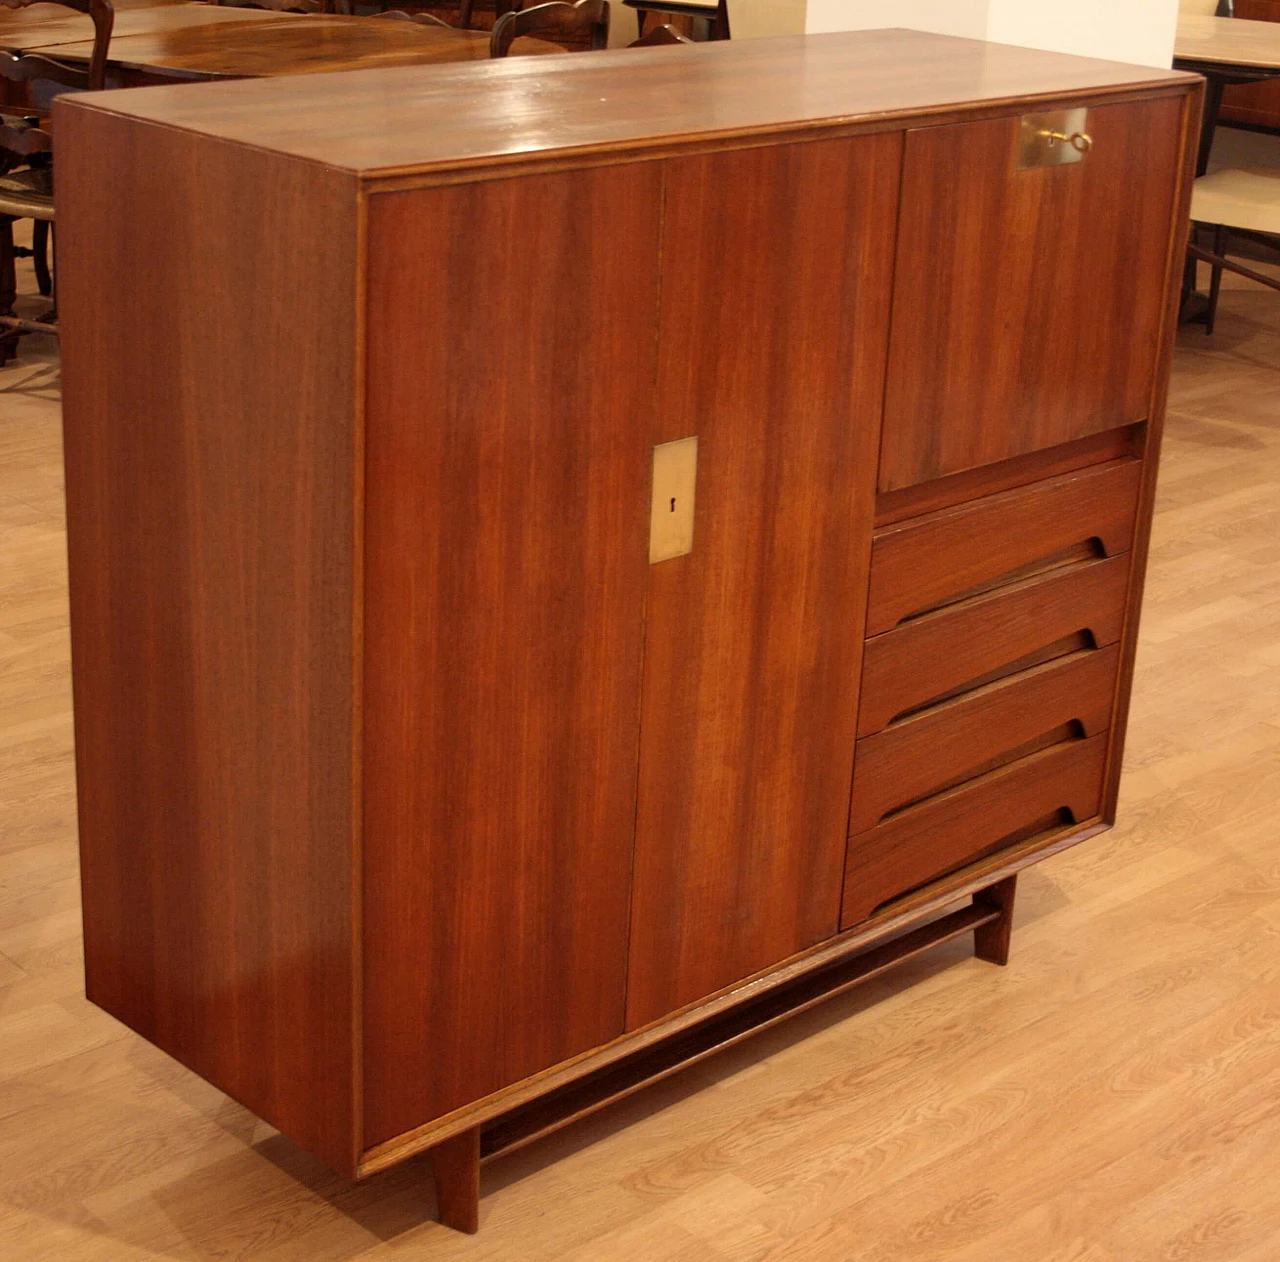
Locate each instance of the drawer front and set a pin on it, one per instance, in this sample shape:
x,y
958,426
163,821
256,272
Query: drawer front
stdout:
x,y
1027,302
1054,786
927,658
959,738
921,564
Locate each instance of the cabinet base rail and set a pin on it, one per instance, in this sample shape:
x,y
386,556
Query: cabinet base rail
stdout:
x,y
456,1161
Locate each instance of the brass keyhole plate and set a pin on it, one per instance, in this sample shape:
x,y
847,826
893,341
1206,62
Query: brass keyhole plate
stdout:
x,y
1055,138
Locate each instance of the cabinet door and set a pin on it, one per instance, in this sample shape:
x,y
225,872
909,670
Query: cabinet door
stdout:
x,y
510,386
774,316
1027,303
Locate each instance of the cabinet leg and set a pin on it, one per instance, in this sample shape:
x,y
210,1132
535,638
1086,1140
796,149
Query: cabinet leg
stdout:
x,y
991,941
455,1164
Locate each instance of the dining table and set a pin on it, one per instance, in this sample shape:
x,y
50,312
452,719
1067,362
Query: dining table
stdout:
x,y
1225,51
43,25
162,41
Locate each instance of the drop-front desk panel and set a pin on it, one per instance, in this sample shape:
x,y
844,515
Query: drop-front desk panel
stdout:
x,y
461,745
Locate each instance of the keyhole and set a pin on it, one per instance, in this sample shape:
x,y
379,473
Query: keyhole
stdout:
x,y
673,503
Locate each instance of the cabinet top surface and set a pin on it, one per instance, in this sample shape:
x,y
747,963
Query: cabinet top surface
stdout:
x,y
385,122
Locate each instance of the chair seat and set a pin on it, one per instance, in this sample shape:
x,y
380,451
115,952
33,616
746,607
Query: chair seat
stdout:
x,y
27,194
1248,198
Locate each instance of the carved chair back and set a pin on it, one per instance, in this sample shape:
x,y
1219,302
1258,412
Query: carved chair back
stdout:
x,y
422,19
22,138
30,67
587,18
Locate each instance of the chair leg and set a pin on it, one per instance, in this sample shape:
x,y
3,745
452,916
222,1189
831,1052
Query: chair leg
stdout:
x,y
8,288
40,256
1215,277
456,1167
991,941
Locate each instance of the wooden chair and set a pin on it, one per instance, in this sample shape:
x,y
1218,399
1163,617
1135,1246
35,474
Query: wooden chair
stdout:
x,y
715,13
587,19
660,35
462,12
26,160
1243,202
422,19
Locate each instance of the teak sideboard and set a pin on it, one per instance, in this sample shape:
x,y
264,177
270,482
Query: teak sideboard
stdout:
x,y
574,560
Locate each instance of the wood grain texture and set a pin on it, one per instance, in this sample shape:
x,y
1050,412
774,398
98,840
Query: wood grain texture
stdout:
x,y
279,45
1122,1065
209,490
684,1050
956,827
774,359
1244,42
1004,475
919,564
1175,264
1256,103
991,941
520,110
507,555
43,26
944,743
1027,304
928,657
455,1166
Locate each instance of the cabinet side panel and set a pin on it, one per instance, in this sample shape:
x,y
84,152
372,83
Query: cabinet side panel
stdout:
x,y
1027,303
775,305
207,296
511,366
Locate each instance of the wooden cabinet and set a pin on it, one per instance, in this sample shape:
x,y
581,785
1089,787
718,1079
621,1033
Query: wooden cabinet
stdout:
x,y
419,809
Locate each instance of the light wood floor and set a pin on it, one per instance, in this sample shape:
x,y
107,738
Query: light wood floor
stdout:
x,y
1112,1096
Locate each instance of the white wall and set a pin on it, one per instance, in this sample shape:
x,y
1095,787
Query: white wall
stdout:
x,y
1120,30
946,17
752,19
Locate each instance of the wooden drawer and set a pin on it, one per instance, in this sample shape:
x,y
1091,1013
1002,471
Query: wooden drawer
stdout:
x,y
930,657
964,736
926,562
1027,302
1059,785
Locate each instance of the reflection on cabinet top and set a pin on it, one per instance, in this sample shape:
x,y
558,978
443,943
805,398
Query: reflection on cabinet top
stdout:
x,y
386,122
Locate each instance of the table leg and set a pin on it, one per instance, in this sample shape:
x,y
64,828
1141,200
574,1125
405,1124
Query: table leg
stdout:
x,y
1191,308
1209,123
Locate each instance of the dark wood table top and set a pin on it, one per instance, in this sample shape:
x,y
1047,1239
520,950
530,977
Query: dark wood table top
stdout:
x,y
278,44
508,111
1228,44
44,25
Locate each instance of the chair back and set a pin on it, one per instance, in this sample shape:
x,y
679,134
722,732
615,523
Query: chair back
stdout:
x,y
32,67
1208,8
422,19
660,35
587,18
